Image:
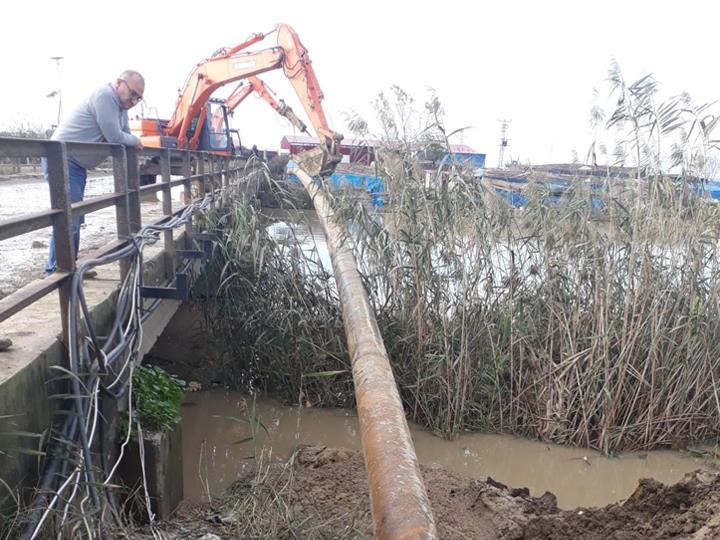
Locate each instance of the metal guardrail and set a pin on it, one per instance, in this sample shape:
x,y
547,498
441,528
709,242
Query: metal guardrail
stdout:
x,y
126,199
399,501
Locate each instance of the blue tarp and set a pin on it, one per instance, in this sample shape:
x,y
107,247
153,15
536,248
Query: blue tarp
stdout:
x,y
473,159
518,200
711,189
370,183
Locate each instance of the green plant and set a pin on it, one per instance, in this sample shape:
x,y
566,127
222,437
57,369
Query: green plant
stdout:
x,y
157,397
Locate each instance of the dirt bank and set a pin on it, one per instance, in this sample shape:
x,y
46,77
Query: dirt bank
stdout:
x,y
324,495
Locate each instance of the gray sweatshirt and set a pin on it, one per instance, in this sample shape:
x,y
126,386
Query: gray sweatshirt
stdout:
x,y
99,118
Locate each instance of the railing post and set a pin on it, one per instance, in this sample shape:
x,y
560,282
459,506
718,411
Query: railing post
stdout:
x,y
201,172
133,183
218,179
225,179
219,169
167,211
212,177
122,216
187,172
62,224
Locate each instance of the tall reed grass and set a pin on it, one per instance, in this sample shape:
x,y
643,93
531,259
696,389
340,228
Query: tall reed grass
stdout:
x,y
275,312
542,321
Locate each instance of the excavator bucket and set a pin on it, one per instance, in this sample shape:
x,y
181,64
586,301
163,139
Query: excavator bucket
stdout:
x,y
317,161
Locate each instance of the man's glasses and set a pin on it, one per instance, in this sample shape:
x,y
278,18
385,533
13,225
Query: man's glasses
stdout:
x,y
134,96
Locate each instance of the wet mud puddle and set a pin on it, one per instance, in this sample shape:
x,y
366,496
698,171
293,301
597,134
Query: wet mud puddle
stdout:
x,y
217,442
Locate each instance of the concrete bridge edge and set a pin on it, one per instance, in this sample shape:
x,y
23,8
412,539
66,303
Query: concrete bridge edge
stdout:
x,y
26,397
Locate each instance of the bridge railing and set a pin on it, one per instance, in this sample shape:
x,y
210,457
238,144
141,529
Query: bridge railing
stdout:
x,y
209,173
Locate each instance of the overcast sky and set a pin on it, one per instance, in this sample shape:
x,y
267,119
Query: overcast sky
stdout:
x,y
535,63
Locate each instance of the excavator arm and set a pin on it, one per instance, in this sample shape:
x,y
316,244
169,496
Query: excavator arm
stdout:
x,y
210,75
298,68
254,84
231,65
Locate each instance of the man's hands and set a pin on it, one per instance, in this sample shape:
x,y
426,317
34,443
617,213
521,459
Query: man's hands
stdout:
x,y
139,146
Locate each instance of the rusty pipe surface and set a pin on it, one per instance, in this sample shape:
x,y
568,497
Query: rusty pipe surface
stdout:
x,y
399,502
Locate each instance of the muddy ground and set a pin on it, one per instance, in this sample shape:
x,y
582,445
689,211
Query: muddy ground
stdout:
x,y
24,257
324,495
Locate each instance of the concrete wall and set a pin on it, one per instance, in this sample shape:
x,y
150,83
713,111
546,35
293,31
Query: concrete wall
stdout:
x,y
163,473
29,395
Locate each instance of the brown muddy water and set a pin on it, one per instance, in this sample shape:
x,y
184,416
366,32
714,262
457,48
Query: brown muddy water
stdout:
x,y
214,454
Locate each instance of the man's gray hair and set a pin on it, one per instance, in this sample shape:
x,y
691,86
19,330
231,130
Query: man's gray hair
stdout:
x,y
131,73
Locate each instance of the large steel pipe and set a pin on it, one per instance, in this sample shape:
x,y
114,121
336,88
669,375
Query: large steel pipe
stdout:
x,y
399,502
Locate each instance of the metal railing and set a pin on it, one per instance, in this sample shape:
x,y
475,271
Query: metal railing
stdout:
x,y
399,500
207,171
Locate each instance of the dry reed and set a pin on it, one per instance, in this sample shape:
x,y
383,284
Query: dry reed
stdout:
x,y
544,321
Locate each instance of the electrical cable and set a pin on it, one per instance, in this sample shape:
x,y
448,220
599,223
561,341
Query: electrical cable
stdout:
x,y
92,359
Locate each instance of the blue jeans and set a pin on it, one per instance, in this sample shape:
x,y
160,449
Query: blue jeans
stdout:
x,y
77,177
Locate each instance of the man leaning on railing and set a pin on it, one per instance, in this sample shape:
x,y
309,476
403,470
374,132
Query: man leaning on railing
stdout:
x,y
101,117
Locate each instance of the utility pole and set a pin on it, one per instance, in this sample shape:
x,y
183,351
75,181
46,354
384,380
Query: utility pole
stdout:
x,y
59,88
504,125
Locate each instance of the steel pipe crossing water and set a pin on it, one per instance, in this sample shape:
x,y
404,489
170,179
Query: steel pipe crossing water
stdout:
x,y
399,501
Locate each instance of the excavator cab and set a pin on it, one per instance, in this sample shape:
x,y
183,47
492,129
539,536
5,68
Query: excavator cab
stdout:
x,y
209,129
215,130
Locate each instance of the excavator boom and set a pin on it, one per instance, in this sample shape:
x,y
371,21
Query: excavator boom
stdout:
x,y
254,84
237,64
212,74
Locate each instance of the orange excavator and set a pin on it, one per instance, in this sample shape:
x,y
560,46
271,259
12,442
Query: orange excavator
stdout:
x,y
201,123
254,84
243,90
